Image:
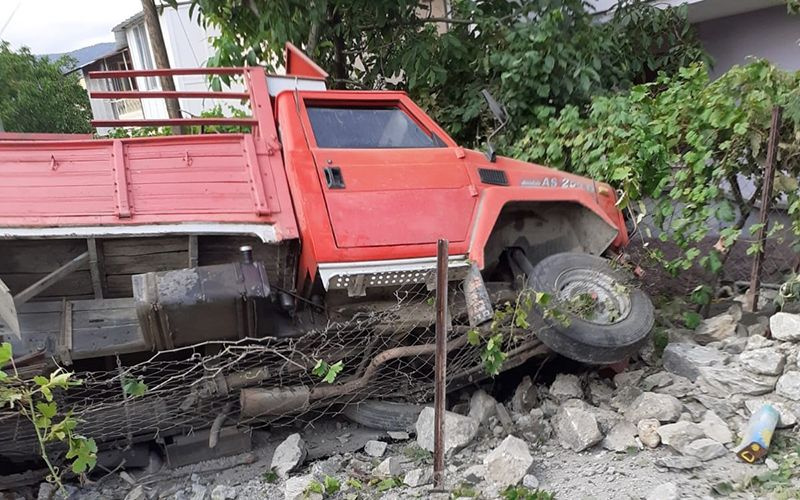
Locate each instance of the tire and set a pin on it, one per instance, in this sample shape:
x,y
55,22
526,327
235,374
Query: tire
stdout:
x,y
384,415
593,342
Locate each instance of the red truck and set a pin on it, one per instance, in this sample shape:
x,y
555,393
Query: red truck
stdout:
x,y
331,203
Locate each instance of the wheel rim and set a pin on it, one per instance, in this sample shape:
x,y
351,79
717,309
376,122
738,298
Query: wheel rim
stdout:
x,y
593,296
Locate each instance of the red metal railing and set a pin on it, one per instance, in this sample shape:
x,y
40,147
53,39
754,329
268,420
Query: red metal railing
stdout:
x,y
247,73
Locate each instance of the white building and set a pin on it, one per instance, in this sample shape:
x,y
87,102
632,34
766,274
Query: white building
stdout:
x,y
733,30
188,46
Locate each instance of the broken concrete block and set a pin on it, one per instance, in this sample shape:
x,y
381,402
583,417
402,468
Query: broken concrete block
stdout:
x,y
398,435
663,407
289,455
507,464
481,406
788,418
566,386
295,488
680,434
686,359
627,378
716,328
764,361
375,448
621,437
788,386
704,449
758,342
647,430
716,428
223,492
576,428
524,396
418,477
390,467
785,326
678,462
623,397
722,381
459,430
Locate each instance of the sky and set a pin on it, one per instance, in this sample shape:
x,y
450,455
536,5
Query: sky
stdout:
x,y
56,26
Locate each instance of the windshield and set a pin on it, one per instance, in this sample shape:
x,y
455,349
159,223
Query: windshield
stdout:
x,y
358,128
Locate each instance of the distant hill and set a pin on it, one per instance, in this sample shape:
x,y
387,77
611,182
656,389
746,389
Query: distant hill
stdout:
x,y
85,55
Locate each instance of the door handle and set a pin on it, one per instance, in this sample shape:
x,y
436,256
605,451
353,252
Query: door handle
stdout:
x,y
334,178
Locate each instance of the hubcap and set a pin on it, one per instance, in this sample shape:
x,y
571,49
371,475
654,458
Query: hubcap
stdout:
x,y
593,296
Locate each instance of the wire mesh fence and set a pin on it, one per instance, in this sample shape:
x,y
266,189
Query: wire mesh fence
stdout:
x,y
386,353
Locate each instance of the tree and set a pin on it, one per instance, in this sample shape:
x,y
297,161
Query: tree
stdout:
x,y
36,97
535,56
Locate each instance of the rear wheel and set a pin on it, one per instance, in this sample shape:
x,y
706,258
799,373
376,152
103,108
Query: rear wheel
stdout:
x,y
607,319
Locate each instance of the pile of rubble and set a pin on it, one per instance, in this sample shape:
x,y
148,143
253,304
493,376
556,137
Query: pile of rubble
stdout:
x,y
670,420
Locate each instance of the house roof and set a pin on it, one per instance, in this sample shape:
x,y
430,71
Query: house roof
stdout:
x,y
86,55
134,19
699,10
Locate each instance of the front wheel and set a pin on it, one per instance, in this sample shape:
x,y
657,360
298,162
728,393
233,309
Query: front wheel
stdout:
x,y
602,319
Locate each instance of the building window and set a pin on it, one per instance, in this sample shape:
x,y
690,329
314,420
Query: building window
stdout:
x,y
143,50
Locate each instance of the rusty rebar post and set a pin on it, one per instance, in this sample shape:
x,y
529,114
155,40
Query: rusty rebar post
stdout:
x,y
441,364
766,198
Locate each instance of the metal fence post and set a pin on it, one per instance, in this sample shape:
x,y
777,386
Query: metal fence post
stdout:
x,y
441,364
766,198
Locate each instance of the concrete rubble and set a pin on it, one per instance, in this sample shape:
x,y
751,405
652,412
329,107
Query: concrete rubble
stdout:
x,y
663,429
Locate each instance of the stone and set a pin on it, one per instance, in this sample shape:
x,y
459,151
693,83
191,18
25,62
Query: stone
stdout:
x,y
657,380
474,474
759,328
686,359
771,464
418,477
716,428
289,455
566,386
680,434
576,428
734,345
758,342
678,462
647,431
538,425
375,448
624,397
508,463
785,326
621,437
199,492
295,488
46,491
627,378
705,449
137,493
663,407
716,328
223,492
764,361
459,430
524,396
398,435
788,418
788,386
481,406
530,481
722,381
666,491
599,392
390,467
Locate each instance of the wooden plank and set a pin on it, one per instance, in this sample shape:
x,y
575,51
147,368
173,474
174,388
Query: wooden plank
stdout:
x,y
193,250
130,73
143,246
256,180
52,278
96,268
170,122
77,286
64,342
8,310
167,94
120,180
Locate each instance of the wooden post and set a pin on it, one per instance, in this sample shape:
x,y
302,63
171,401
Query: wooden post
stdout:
x,y
441,364
156,38
766,198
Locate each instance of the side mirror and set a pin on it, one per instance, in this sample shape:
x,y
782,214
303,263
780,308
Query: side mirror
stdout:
x,y
501,115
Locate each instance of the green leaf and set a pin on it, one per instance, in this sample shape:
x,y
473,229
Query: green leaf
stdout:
x,y
47,410
333,371
473,337
691,319
320,369
134,387
6,353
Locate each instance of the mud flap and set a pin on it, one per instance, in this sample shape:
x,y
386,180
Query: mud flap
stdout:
x,y
8,310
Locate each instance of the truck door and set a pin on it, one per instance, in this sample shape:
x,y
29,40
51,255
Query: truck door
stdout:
x,y
387,179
